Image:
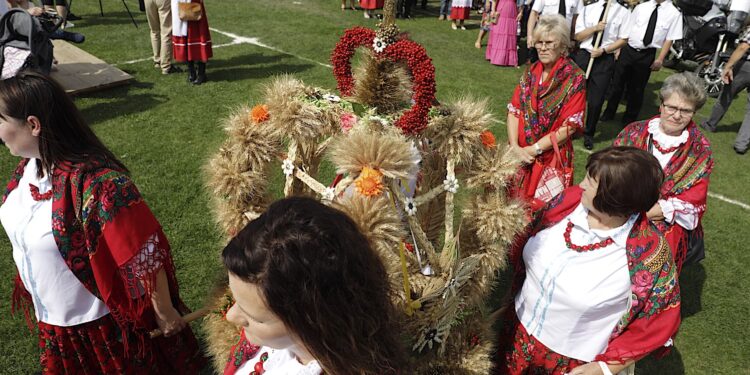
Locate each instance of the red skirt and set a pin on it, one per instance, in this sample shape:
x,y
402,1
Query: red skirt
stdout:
x,y
96,348
460,13
371,4
196,46
521,353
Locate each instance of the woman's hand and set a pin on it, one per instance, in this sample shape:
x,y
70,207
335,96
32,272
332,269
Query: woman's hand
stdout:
x,y
170,322
525,154
655,213
587,369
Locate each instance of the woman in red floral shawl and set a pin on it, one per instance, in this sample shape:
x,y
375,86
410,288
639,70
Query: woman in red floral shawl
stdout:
x,y
686,157
548,104
595,287
92,259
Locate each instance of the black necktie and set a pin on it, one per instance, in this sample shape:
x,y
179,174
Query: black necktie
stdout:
x,y
649,36
561,8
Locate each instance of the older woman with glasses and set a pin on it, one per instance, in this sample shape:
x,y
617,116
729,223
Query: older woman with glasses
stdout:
x,y
547,107
684,154
595,286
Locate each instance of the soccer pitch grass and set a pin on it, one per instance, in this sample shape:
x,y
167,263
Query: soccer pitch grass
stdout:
x,y
165,129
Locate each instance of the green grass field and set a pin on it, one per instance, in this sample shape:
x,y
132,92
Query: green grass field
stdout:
x,y
165,129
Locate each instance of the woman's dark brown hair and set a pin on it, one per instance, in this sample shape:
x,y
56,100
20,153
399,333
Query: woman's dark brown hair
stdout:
x,y
320,276
64,135
629,180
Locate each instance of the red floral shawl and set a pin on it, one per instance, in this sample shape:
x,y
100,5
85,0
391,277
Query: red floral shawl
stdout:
x,y
686,176
544,108
99,223
654,313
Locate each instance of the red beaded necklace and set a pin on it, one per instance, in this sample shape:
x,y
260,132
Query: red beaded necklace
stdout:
x,y
37,196
662,149
584,248
258,368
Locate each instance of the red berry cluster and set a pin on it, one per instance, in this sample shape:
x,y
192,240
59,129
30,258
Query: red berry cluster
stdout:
x,y
414,120
342,55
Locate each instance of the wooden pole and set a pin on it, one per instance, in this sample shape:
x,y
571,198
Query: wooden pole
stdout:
x,y
188,318
598,40
389,13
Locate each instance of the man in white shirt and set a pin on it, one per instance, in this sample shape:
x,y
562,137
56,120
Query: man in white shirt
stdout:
x,y
589,23
652,25
566,8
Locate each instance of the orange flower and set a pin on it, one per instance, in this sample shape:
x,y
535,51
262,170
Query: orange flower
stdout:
x,y
488,139
259,114
370,182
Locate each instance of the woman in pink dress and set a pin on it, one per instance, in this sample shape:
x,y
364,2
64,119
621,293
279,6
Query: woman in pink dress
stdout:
x,y
501,47
370,5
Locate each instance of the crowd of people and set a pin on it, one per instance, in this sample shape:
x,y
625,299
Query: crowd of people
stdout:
x,y
596,273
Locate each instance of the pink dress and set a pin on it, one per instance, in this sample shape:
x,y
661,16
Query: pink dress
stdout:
x,y
501,47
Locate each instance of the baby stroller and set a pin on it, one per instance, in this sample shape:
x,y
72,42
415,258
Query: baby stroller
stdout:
x,y
25,42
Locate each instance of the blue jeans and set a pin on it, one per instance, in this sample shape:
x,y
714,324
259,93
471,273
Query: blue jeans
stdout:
x,y
445,7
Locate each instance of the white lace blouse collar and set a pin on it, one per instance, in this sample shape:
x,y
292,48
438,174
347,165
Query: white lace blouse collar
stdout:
x,y
664,139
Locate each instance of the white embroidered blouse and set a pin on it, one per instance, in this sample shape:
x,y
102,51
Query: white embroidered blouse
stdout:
x,y
279,362
58,296
571,301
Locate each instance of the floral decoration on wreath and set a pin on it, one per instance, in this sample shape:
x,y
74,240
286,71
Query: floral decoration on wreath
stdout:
x,y
414,120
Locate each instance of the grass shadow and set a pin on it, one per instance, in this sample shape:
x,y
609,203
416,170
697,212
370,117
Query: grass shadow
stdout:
x,y
112,18
238,73
122,102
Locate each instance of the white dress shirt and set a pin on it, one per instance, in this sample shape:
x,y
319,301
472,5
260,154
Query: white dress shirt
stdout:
x,y
571,301
59,297
674,209
668,24
279,362
588,16
553,7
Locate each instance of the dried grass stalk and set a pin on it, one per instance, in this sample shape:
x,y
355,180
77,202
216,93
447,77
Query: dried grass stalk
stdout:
x,y
382,84
391,153
493,167
458,134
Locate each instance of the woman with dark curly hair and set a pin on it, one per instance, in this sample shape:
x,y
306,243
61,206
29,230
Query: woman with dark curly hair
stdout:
x,y
311,295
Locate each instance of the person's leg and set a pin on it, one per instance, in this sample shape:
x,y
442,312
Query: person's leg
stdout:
x,y
622,66
742,141
741,75
640,73
152,16
165,18
201,74
596,89
478,43
191,71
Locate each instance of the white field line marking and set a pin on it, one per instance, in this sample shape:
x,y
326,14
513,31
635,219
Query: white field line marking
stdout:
x,y
237,39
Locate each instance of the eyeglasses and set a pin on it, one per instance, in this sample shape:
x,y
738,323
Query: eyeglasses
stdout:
x,y
545,44
672,110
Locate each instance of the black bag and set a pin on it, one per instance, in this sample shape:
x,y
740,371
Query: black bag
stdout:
x,y
696,251
694,7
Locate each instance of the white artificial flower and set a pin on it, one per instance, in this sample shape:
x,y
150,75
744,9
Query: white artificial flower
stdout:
x,y
378,45
332,98
288,167
410,207
451,185
328,194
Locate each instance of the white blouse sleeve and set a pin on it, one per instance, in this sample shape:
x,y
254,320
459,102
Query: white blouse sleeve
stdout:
x,y
680,212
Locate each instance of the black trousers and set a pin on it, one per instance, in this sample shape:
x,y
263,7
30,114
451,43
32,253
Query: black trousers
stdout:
x,y
596,85
632,71
403,7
